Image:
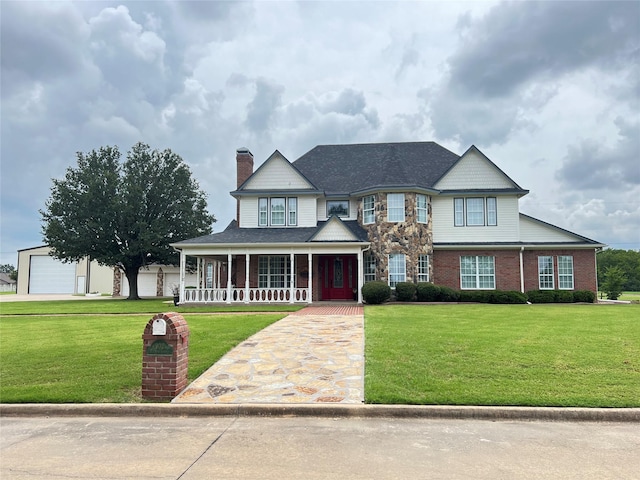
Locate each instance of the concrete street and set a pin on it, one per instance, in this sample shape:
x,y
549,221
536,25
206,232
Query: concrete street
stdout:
x,y
230,447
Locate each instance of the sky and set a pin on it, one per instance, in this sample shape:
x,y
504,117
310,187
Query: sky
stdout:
x,y
549,91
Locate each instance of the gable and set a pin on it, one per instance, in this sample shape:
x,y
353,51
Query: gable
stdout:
x,y
533,230
475,171
334,231
276,173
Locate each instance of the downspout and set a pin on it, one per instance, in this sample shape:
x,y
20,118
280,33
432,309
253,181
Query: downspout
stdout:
x,y
521,270
361,272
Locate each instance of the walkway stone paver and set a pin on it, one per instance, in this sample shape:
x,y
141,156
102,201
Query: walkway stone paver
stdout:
x,y
315,355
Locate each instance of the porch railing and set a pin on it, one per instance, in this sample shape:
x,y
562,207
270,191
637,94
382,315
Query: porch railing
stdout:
x,y
239,295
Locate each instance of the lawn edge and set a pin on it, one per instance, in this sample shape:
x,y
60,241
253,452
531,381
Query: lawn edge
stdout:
x,y
563,414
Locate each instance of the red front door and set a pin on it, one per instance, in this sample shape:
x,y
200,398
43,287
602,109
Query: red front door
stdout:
x,y
338,276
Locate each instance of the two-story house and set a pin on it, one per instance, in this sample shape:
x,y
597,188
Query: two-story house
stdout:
x,y
318,228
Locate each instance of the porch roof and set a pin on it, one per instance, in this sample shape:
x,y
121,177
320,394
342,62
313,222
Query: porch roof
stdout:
x,y
234,235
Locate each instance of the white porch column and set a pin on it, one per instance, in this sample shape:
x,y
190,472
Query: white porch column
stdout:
x,y
360,274
229,260
293,278
310,280
216,274
247,259
183,266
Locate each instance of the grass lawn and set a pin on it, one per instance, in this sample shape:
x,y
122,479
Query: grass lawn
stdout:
x,y
112,305
98,358
539,355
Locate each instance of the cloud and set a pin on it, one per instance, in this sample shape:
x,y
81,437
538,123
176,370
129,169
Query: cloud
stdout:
x,y
503,57
594,165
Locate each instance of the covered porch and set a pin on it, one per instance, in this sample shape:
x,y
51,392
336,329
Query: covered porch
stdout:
x,y
265,274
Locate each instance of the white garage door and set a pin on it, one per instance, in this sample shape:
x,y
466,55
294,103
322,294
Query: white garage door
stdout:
x,y
146,284
48,275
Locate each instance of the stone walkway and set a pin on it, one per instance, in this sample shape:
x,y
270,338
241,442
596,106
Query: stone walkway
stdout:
x,y
315,355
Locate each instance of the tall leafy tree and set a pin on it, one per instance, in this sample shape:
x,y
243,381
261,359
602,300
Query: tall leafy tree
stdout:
x,y
627,260
125,214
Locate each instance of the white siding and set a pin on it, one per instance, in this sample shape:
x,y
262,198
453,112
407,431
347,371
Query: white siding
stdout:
x,y
306,211
507,229
474,171
276,174
334,231
532,231
248,212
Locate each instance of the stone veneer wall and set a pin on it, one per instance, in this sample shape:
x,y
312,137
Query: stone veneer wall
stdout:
x,y
408,237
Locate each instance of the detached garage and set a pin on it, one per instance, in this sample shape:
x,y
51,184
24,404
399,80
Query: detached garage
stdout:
x,y
40,273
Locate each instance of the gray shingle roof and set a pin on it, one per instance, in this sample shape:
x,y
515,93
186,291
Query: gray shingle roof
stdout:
x,y
234,235
342,169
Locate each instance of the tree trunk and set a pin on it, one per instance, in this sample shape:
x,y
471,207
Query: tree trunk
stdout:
x,y
132,278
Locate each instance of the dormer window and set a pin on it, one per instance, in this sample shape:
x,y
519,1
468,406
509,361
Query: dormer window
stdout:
x,y
339,208
277,211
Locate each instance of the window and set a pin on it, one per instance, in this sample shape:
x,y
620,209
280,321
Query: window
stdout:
x,y
208,283
262,211
368,209
292,208
395,207
458,212
565,272
475,211
423,268
477,272
277,211
421,208
338,207
397,269
369,268
274,272
492,211
545,273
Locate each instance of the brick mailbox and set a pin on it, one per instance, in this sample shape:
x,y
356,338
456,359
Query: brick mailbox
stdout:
x,y
165,356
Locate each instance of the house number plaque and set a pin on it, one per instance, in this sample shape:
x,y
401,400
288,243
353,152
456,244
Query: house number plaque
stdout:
x,y
160,348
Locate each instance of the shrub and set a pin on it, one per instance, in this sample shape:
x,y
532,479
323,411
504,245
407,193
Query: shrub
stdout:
x,y
564,296
507,297
376,292
493,296
405,292
541,296
584,296
448,295
427,292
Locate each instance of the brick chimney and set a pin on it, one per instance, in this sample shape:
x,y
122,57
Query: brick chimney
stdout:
x,y
244,164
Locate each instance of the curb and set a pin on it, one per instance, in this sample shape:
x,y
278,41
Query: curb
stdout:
x,y
557,414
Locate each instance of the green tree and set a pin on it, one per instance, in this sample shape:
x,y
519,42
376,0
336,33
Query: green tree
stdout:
x,y
9,270
627,260
614,281
125,215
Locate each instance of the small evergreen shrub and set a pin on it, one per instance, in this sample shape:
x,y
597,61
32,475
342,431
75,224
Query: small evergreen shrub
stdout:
x,y
564,296
405,292
541,296
448,295
473,296
376,292
584,296
427,292
507,297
